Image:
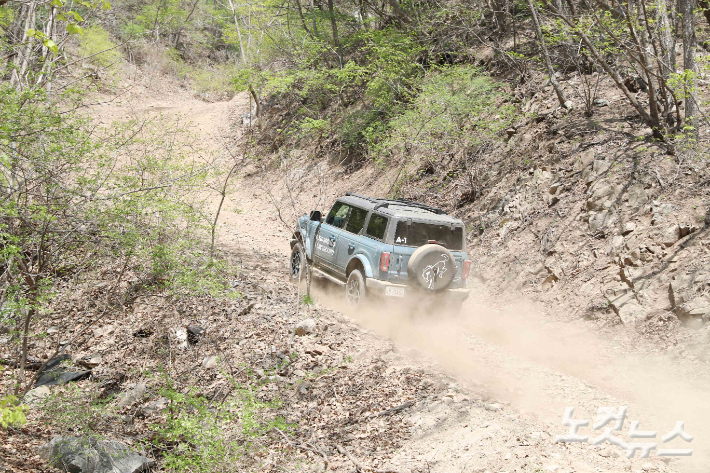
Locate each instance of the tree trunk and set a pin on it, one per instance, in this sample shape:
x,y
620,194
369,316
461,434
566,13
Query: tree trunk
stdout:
x,y
546,55
501,15
334,26
399,11
239,32
313,12
691,107
303,19
667,39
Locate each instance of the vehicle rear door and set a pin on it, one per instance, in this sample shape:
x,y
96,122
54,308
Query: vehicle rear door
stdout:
x,y
350,242
409,235
374,238
326,240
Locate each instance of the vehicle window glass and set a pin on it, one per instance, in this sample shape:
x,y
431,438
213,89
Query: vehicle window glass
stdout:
x,y
356,220
376,227
418,234
338,215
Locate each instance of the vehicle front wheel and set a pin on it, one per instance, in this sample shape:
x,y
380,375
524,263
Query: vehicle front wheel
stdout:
x,y
355,290
297,262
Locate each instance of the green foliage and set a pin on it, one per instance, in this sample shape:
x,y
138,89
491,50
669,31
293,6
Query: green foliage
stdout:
x,y
200,435
93,41
73,410
307,300
6,16
12,414
458,107
97,197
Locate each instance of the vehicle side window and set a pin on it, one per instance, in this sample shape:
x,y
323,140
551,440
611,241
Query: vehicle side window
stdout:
x,y
356,220
338,215
377,226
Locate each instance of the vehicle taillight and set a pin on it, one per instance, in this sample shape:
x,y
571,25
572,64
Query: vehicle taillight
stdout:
x,y
384,261
466,269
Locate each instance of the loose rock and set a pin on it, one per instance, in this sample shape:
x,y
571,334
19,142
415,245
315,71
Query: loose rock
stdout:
x,y
88,455
305,327
133,395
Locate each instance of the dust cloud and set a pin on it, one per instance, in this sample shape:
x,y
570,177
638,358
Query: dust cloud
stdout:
x,y
514,353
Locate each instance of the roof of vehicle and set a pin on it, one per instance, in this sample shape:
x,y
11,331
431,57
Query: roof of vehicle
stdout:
x,y
399,208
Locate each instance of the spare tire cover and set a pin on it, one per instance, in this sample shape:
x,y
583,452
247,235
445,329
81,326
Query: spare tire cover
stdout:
x,y
432,267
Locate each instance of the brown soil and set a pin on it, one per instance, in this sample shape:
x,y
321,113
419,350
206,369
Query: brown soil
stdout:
x,y
484,391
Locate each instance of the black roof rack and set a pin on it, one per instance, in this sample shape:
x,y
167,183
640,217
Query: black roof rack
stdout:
x,y
379,203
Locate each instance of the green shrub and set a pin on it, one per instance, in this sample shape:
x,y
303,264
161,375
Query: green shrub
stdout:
x,y
200,436
458,107
95,42
12,414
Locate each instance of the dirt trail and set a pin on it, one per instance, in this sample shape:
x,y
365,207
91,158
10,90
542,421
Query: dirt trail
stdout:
x,y
519,364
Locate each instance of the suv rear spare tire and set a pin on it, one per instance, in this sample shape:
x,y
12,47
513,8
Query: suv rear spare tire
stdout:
x,y
432,267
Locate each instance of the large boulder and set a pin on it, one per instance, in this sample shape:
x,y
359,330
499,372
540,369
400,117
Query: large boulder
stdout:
x,y
90,455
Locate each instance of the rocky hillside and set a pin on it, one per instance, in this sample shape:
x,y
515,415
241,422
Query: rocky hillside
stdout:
x,y
588,215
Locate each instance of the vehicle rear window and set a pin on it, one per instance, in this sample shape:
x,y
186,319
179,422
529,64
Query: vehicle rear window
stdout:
x,y
377,226
418,234
356,220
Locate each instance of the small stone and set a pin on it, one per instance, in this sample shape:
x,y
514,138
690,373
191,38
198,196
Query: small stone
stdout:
x,y
36,394
299,373
600,103
305,327
194,332
671,235
133,395
209,362
91,361
616,246
569,105
302,388
628,228
154,407
511,131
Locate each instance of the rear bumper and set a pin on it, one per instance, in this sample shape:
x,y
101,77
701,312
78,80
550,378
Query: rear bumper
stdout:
x,y
380,288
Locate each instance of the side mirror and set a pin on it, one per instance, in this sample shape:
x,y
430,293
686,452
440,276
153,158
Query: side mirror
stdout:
x,y
316,216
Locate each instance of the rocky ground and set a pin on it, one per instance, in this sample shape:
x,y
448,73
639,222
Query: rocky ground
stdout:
x,y
576,256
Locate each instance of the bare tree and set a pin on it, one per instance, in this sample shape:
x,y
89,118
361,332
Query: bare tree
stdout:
x,y
687,8
546,55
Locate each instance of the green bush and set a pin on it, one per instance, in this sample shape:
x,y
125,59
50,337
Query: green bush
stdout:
x,y
12,414
458,107
93,41
200,436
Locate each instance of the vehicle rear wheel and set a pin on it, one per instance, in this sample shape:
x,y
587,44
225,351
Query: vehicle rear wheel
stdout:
x,y
297,262
355,290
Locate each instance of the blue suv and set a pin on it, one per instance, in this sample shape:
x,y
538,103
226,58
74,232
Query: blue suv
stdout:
x,y
382,247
